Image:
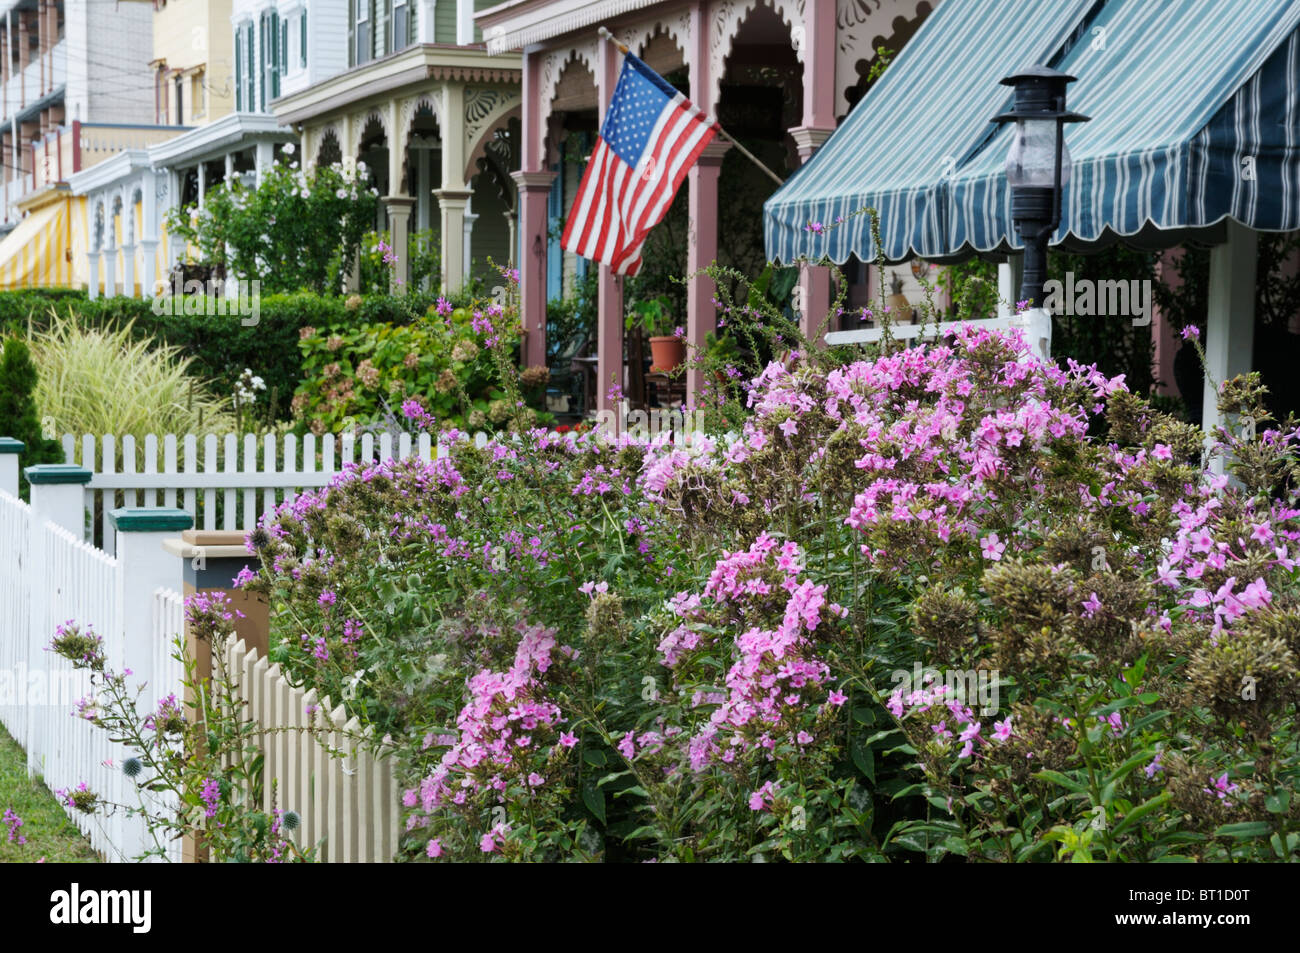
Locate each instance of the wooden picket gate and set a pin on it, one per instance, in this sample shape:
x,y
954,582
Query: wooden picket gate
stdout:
x,y
349,805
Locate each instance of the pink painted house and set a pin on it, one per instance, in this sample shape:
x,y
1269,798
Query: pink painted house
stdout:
x,y
778,74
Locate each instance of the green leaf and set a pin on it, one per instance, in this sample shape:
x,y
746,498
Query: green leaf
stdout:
x,y
1278,803
1056,777
1143,756
594,798
1141,811
1244,829
864,759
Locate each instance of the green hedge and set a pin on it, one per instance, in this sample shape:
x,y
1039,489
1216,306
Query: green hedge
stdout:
x,y
221,346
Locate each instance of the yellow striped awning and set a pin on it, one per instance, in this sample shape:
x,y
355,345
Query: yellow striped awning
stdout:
x,y
37,252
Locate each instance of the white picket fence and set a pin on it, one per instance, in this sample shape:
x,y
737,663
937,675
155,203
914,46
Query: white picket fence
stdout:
x,y
223,481
51,576
350,805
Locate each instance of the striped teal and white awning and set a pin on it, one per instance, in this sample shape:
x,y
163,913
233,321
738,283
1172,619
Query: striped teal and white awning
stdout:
x,y
1189,99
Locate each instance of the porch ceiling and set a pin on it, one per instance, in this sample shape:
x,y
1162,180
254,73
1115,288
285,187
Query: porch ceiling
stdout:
x,y
410,67
519,23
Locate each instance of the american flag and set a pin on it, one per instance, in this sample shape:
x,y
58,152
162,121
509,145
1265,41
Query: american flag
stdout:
x,y
651,137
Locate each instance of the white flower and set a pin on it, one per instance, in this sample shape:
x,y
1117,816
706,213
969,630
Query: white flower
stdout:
x,y
288,148
342,193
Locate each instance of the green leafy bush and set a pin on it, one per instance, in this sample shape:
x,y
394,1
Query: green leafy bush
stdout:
x,y
18,416
296,231
363,375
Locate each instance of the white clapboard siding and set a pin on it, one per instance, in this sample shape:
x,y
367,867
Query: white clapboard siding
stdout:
x,y
223,481
349,804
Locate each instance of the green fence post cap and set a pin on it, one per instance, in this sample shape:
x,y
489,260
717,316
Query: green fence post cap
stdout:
x,y
149,519
10,445
45,473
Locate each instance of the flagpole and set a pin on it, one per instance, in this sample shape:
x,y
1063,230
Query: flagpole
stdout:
x,y
728,137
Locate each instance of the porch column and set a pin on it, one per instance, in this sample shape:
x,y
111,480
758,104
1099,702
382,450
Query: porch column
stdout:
x,y
263,156
467,251
203,182
149,240
609,308
701,252
534,185
1011,275
451,221
92,279
817,45
534,189
423,190
1230,335
128,270
110,263
399,220
814,280
702,193
512,237
455,193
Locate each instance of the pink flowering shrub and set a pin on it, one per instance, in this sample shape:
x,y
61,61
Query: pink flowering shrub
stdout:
x,y
670,649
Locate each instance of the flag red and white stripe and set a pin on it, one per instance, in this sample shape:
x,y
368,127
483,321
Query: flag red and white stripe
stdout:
x,y
651,137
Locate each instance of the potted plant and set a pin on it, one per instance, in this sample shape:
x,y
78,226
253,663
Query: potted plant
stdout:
x,y
900,309
667,350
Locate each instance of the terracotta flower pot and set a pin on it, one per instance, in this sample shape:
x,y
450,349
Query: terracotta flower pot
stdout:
x,y
667,353
900,309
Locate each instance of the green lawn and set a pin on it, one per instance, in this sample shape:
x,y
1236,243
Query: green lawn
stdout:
x,y
51,836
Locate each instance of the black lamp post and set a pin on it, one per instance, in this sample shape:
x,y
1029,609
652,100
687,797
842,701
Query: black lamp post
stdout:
x,y
1038,166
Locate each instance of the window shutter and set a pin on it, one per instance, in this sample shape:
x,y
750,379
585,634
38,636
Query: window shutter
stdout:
x,y
261,86
250,79
352,32
239,71
275,54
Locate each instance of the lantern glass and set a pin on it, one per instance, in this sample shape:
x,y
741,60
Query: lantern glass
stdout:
x,y
1031,163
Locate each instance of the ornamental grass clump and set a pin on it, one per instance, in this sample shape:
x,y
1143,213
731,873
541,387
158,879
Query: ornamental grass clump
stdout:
x,y
105,381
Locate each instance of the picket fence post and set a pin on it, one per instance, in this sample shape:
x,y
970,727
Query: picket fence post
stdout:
x,y
57,493
9,450
144,565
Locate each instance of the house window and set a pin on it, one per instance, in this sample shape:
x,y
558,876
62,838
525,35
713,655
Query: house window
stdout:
x,y
180,101
361,32
197,106
284,47
302,39
401,24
